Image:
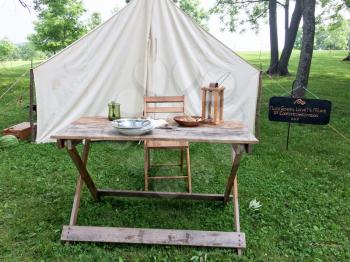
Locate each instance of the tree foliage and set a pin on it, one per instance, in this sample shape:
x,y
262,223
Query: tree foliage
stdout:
x,y
7,49
28,52
333,36
194,10
10,51
240,15
59,24
333,16
94,21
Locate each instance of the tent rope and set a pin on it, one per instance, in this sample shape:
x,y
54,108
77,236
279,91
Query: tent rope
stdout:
x,y
13,84
314,95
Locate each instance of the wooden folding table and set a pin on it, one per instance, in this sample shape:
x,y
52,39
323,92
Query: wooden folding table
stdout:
x,y
100,129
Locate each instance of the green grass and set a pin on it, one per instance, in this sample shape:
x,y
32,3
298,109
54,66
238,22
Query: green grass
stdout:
x,y
305,192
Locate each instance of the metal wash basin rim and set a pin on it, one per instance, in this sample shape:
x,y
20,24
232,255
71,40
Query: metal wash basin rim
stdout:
x,y
131,124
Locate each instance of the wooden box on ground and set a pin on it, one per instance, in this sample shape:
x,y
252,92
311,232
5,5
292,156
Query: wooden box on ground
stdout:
x,y
21,131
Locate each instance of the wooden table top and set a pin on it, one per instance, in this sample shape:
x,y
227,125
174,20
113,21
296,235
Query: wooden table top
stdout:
x,y
100,128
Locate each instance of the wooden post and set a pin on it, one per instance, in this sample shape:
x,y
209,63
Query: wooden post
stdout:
x,y
31,103
222,105
204,102
216,108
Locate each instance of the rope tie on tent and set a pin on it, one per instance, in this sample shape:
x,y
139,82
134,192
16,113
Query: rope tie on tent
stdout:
x,y
288,92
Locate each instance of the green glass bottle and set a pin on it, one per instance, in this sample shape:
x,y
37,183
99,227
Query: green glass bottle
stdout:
x,y
113,111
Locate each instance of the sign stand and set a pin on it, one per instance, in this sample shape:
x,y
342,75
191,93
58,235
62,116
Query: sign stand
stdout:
x,y
287,144
299,110
289,125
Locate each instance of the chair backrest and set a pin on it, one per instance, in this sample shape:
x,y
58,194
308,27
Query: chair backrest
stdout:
x,y
177,104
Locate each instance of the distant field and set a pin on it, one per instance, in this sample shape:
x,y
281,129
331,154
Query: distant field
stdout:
x,y
304,192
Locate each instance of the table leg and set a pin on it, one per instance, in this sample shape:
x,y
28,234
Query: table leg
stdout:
x,y
146,166
72,151
237,152
232,184
236,210
79,186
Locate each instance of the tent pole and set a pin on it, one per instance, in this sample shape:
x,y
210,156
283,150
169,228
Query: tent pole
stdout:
x,y
257,113
258,108
31,103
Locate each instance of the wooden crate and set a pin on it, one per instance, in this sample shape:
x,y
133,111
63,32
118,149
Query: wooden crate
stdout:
x,y
21,131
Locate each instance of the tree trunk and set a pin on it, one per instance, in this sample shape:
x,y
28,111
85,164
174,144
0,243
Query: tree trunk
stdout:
x,y
348,57
307,47
286,21
291,34
273,69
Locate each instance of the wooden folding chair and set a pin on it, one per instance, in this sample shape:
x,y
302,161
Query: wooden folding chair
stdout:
x,y
178,145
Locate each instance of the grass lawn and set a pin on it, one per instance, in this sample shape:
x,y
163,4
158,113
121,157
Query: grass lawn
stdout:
x,y
305,192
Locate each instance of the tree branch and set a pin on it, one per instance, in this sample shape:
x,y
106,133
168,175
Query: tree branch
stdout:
x,y
25,5
255,1
254,19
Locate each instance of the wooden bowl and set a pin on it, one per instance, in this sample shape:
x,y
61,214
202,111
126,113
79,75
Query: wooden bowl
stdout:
x,y
188,121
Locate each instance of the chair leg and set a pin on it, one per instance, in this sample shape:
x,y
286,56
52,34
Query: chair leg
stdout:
x,y
182,160
188,162
146,166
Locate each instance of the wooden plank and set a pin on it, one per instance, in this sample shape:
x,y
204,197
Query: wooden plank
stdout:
x,y
166,144
164,165
83,172
167,177
21,131
152,194
164,99
154,236
165,109
95,128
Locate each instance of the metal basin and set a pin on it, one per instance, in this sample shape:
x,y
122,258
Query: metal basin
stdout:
x,y
133,127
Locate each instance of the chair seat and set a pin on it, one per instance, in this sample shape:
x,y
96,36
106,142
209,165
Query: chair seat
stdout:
x,y
166,144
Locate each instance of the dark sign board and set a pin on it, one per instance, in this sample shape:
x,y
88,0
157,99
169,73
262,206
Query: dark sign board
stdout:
x,y
300,110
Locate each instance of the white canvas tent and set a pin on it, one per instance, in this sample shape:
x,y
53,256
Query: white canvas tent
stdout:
x,y
149,47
